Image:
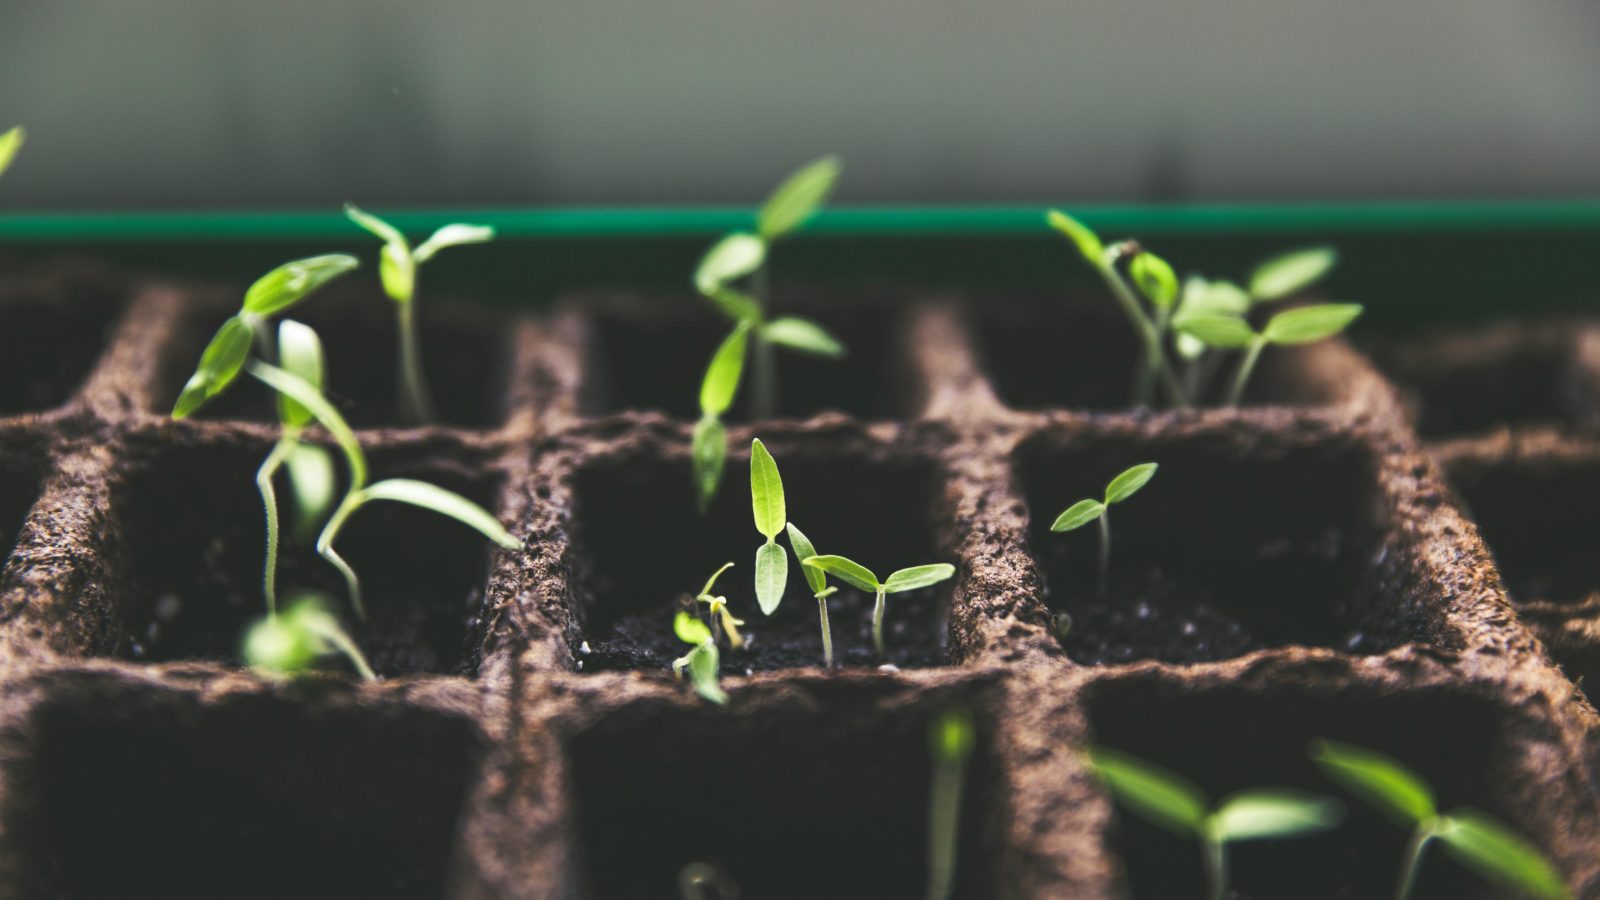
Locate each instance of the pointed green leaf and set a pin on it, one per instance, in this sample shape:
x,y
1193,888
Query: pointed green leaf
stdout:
x,y
798,197
292,282
1087,241
721,382
445,503
455,235
311,479
1078,515
380,229
1310,323
219,366
803,550
729,260
766,491
704,661
846,570
772,576
917,577
1151,791
736,305
710,452
690,629
1155,279
323,411
802,335
1292,272
1274,813
1129,482
1215,330
1499,854
299,353
10,143
1379,780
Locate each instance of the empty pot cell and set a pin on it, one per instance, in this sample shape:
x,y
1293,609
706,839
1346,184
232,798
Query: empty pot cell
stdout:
x,y
192,533
19,488
816,800
642,550
465,355
1233,737
1540,517
52,331
1243,540
652,354
139,793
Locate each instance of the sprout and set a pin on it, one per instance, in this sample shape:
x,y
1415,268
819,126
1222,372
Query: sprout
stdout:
x,y
1302,325
1083,512
1171,802
10,143
291,643
397,268
1475,839
818,582
950,740
721,618
859,576
766,500
703,661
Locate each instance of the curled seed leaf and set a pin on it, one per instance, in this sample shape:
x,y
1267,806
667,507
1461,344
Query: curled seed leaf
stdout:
x,y
798,197
772,576
1274,813
721,382
730,259
444,502
1129,482
1155,279
802,335
1078,515
1292,272
709,452
1310,323
292,282
766,492
1088,243
846,570
299,353
219,366
916,577
1151,791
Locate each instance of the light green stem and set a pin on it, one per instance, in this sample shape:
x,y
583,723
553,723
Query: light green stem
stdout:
x,y
877,623
1105,551
1154,362
416,404
330,532
1413,859
348,648
944,820
764,362
269,501
1246,365
827,634
1215,854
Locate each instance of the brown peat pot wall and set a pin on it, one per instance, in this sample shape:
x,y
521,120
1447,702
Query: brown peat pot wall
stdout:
x,y
1298,569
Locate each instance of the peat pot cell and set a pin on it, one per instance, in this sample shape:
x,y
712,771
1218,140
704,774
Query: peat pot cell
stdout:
x,y
48,343
1231,738
643,550
139,795
827,801
193,534
1540,518
465,362
1078,352
653,354
1234,546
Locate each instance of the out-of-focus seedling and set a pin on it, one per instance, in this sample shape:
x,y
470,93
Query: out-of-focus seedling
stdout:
x,y
771,515
704,881
860,577
1172,802
717,390
291,642
950,740
397,268
10,143
1079,514
1475,839
703,661
1302,325
718,616
818,582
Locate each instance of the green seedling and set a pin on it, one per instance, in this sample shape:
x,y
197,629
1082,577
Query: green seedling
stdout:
x,y
1302,325
10,143
771,515
950,740
718,616
291,642
703,661
274,293
1171,802
860,577
717,390
1079,514
1473,838
397,268
818,582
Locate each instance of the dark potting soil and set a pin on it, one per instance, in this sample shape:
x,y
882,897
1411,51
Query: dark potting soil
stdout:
x,y
1541,518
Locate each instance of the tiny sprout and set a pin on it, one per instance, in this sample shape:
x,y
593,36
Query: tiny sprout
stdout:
x,y
950,740
818,582
397,268
291,642
1088,510
703,661
1171,802
859,576
766,500
717,611
1302,325
1476,840
11,142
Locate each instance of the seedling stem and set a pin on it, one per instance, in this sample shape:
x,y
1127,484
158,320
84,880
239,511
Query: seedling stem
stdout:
x,y
950,740
1079,514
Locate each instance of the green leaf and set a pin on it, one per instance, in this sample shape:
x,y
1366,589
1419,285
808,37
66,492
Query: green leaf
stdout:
x,y
1274,813
1087,241
1155,279
292,282
916,577
455,235
730,259
380,229
1310,323
1129,482
311,478
1215,330
846,570
736,305
951,736
1151,791
1381,781
802,335
445,503
710,452
772,576
312,399
1078,515
690,629
766,491
10,143
1292,272
803,550
1497,853
798,197
299,353
1201,296
721,382
712,581
704,662
219,366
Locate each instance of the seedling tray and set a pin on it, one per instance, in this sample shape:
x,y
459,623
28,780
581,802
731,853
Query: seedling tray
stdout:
x,y
1318,563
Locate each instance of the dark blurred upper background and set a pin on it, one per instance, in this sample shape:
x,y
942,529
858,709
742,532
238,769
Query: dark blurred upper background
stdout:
x,y
210,103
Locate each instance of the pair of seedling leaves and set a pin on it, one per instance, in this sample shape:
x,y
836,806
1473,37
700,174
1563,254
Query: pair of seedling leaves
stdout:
x,y
1204,314
733,260
1473,838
